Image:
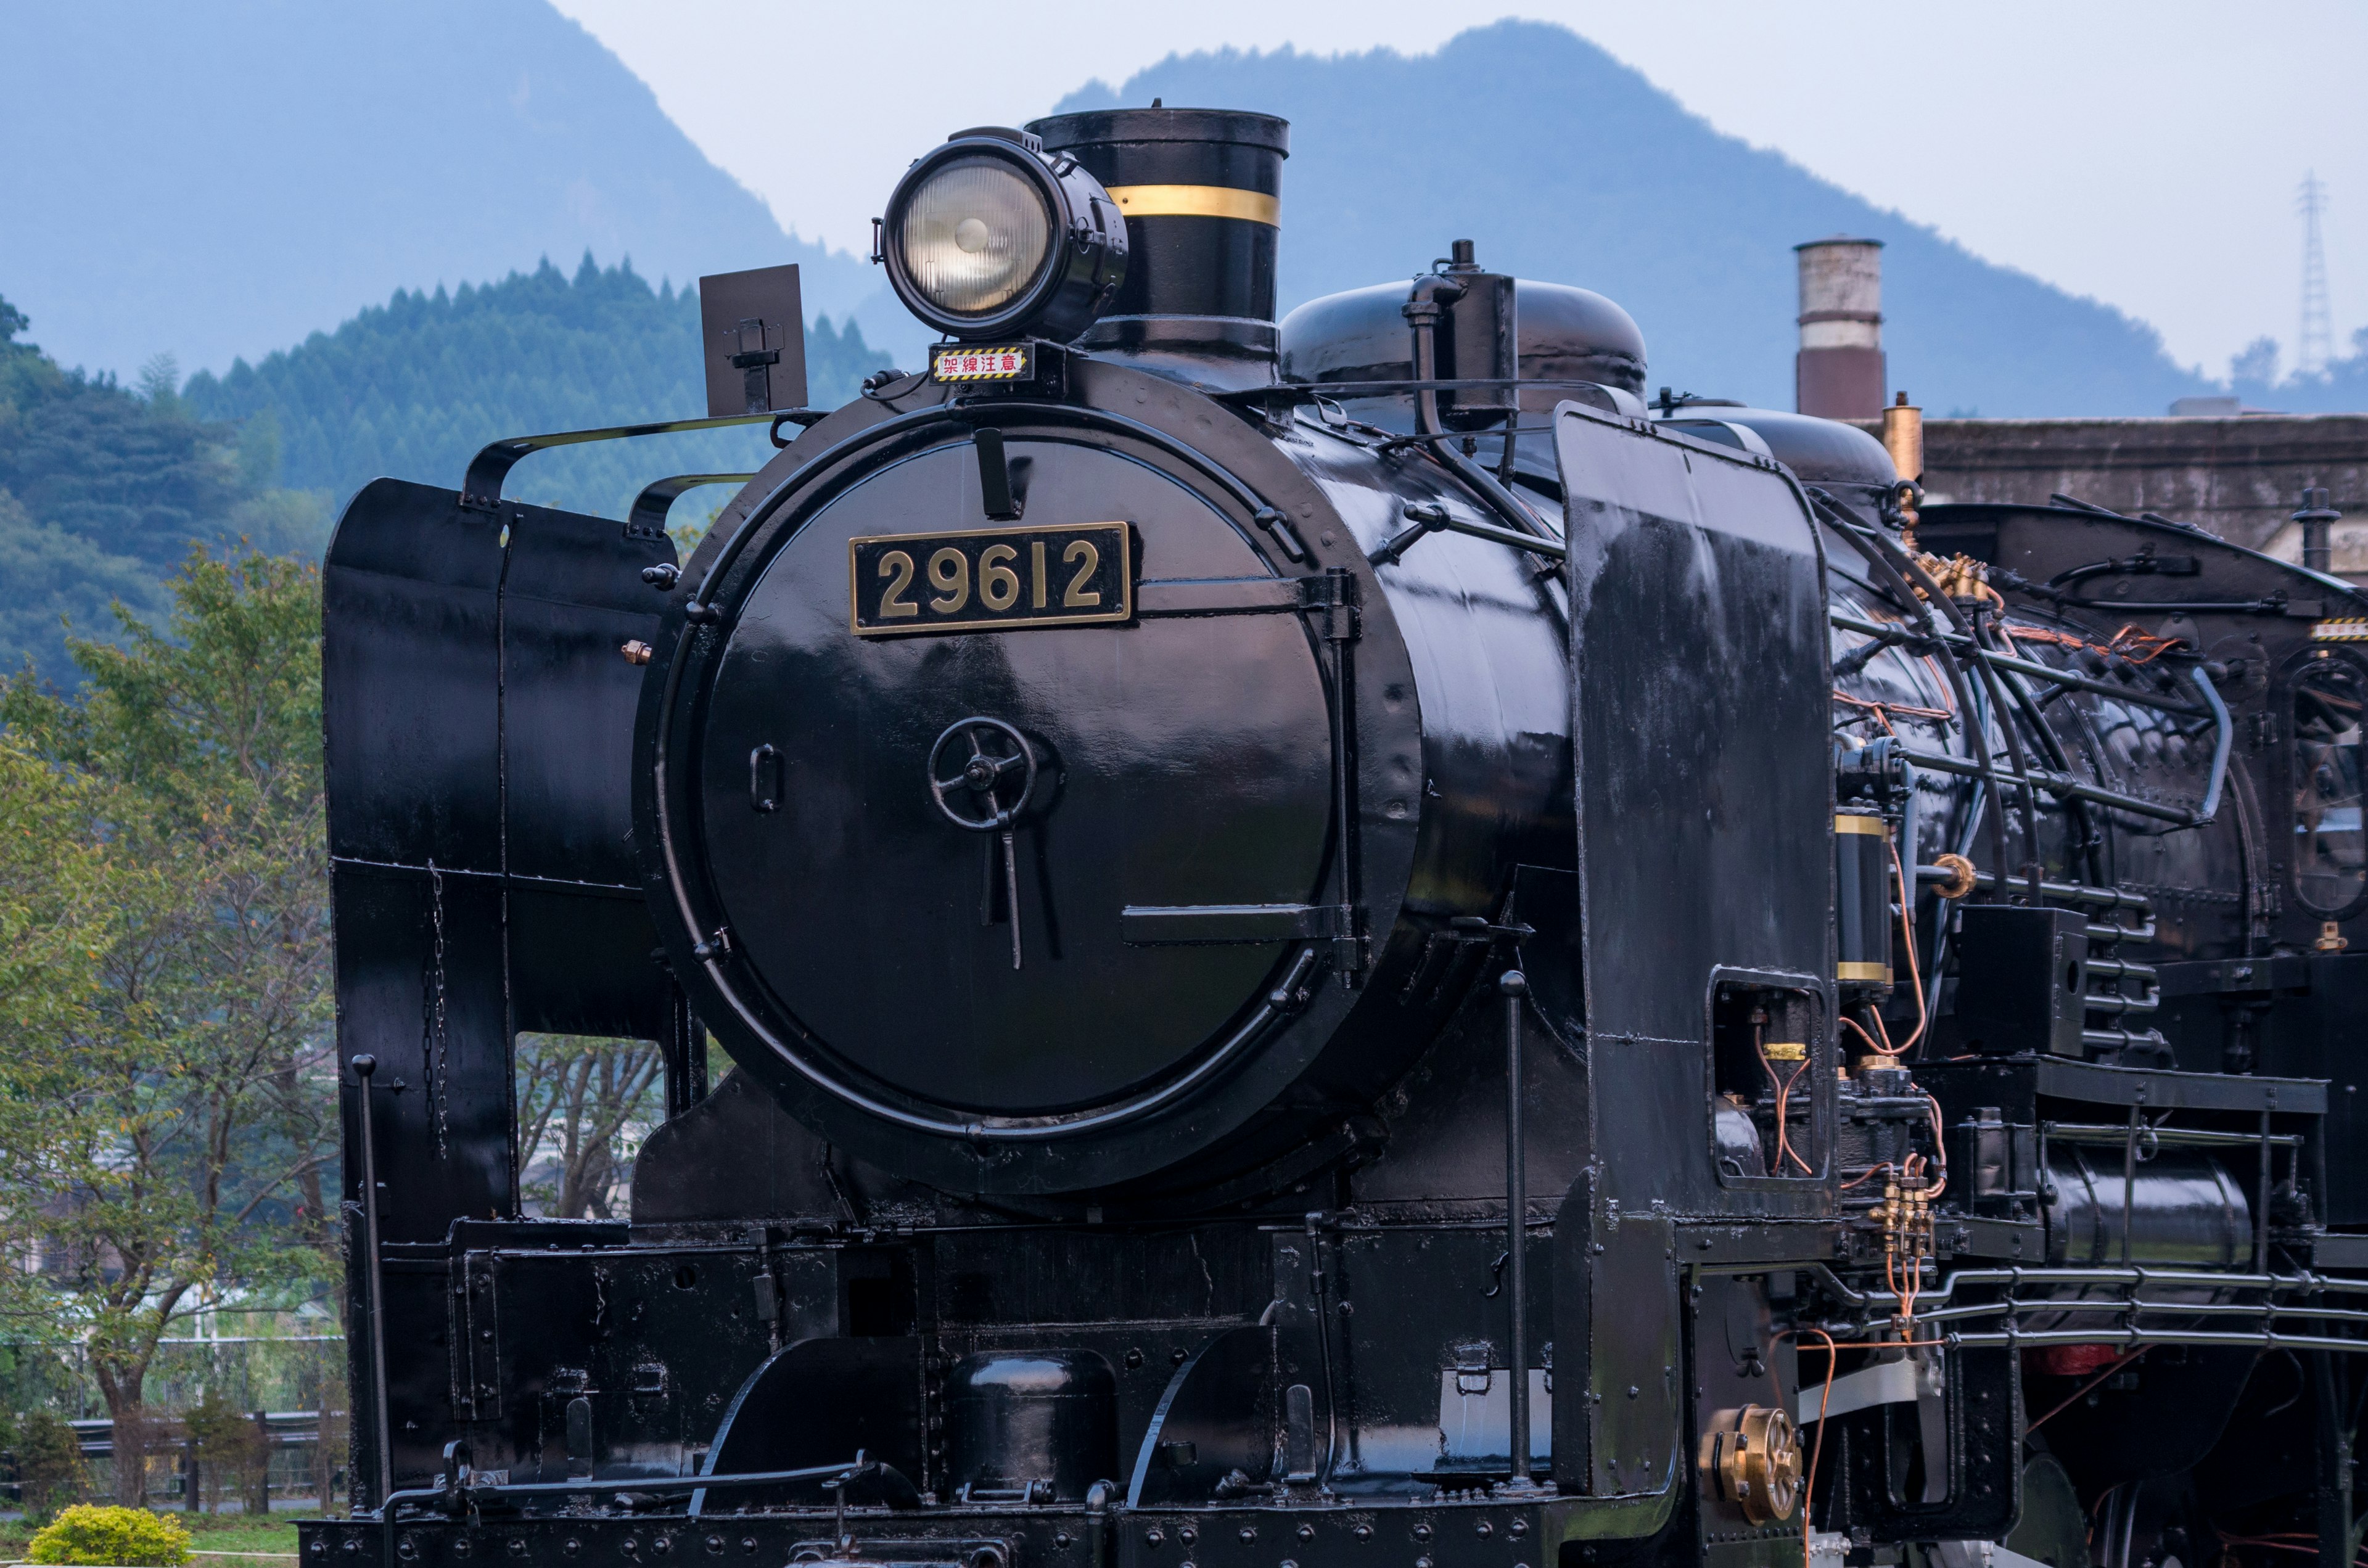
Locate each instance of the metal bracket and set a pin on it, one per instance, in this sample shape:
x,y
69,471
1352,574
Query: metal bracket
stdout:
x,y
476,1345
481,487
648,517
1333,592
1429,517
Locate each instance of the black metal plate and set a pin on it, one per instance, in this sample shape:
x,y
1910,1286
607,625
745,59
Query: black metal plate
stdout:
x,y
991,579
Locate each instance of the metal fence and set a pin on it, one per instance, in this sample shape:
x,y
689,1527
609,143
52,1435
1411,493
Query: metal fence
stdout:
x,y
304,1456
293,1385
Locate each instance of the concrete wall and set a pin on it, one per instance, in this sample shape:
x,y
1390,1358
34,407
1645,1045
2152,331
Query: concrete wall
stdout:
x,y
2240,477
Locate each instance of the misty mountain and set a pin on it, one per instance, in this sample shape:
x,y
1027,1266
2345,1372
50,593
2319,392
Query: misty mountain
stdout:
x,y
1566,166
222,179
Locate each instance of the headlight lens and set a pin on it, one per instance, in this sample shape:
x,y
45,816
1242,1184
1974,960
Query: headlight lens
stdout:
x,y
974,235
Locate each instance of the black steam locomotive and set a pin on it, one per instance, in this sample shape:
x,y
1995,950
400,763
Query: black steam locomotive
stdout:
x,y
1344,946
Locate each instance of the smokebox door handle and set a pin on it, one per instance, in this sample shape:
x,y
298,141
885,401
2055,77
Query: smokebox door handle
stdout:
x,y
765,778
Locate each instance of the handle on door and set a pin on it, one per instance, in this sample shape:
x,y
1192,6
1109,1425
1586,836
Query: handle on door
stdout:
x,y
765,778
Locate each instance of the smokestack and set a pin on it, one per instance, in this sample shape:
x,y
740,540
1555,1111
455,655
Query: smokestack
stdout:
x,y
1201,189
1839,371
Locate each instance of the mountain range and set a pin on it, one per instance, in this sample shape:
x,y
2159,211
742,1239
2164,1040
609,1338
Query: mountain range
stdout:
x,y
222,179
1563,165
218,188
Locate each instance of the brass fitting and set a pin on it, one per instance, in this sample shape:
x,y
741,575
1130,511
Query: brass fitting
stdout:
x,y
1961,876
1751,1463
1903,438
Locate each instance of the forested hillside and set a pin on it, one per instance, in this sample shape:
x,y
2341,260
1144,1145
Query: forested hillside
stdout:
x,y
413,386
104,491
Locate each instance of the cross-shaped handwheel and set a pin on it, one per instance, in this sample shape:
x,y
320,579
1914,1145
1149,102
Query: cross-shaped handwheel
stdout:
x,y
974,796
985,791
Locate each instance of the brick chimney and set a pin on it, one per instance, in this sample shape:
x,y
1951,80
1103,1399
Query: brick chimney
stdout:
x,y
1838,373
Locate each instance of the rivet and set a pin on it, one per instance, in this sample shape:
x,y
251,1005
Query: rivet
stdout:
x,y
1249,1534
1061,1540
1518,1527
571,1546
715,1543
1307,1532
1422,1532
1153,1536
518,1547
1188,1536
1422,1562
1484,1530
1363,1532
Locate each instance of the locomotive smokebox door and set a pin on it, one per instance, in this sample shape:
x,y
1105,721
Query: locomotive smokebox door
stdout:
x,y
753,329
1012,848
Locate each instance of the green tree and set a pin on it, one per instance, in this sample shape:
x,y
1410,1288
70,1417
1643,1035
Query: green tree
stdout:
x,y
56,915
49,1472
229,1450
164,1151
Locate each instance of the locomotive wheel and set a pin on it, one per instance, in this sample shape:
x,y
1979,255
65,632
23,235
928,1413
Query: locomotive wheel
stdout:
x,y
2053,1529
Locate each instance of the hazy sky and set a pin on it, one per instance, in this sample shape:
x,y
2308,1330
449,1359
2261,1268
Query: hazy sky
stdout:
x,y
2144,153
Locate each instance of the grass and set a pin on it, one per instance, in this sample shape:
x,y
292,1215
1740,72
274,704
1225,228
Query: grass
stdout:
x,y
236,1532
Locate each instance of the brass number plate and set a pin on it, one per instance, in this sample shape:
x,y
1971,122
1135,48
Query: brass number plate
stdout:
x,y
991,579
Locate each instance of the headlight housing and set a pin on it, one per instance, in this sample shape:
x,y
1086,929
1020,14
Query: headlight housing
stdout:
x,y
985,237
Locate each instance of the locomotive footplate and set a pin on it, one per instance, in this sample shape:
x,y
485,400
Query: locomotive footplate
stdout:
x,y
644,1543
1476,1528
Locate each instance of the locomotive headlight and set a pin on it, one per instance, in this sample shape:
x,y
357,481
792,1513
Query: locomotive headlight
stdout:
x,y
974,235
985,237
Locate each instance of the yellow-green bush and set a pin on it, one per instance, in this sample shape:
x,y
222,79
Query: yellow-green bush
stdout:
x,y
111,1538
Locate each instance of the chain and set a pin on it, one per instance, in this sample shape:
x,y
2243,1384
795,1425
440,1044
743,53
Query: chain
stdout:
x,y
434,1038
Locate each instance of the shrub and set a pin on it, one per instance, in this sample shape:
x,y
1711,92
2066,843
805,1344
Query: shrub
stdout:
x,y
126,1537
49,1464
